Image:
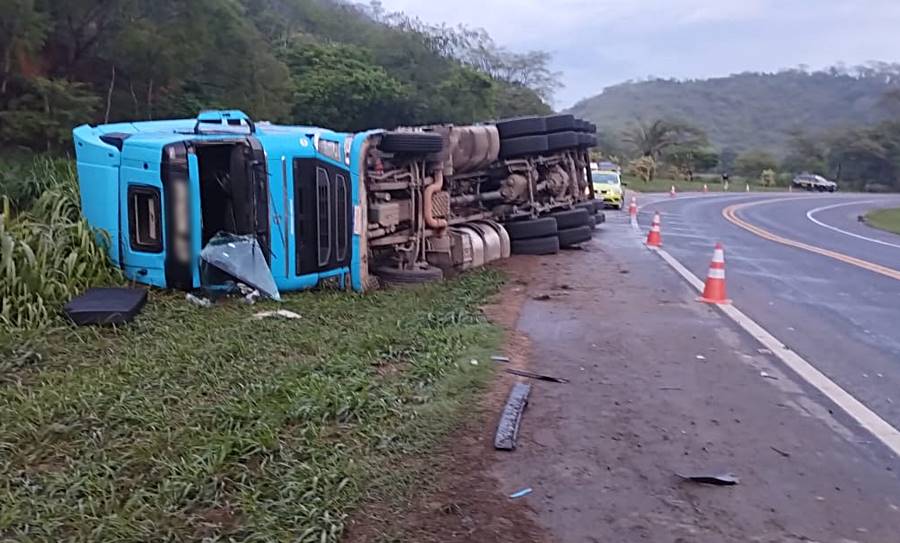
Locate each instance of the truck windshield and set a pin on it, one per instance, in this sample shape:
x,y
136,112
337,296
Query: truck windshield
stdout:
x,y
606,178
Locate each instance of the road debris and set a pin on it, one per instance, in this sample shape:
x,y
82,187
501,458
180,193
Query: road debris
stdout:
x,y
779,451
522,493
725,479
542,298
238,257
501,359
473,362
671,388
105,306
280,314
538,376
701,357
198,301
508,427
766,375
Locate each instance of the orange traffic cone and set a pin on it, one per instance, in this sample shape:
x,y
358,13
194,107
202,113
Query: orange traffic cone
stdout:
x,y
672,192
714,291
632,207
705,188
654,238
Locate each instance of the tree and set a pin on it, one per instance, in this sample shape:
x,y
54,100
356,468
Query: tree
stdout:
x,y
653,138
753,163
688,159
767,178
643,167
338,86
805,154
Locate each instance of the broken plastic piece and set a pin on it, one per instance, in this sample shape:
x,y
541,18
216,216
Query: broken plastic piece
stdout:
x,y
726,479
281,313
538,376
508,427
198,301
240,257
502,359
522,493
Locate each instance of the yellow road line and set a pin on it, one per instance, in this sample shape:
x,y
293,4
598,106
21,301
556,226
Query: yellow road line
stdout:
x,y
730,214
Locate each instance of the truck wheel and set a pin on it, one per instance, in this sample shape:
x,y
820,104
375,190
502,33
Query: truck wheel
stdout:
x,y
532,228
574,236
523,126
548,245
586,141
562,140
600,217
572,218
411,142
592,222
525,145
592,128
592,206
559,123
396,276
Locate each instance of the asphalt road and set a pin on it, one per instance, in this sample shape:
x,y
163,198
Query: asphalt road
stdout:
x,y
839,310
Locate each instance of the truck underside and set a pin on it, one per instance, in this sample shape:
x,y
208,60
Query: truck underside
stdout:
x,y
439,195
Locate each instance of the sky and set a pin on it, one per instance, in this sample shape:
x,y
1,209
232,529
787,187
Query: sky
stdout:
x,y
597,43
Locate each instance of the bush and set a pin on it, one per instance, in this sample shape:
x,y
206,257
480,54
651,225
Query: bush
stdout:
x,y
48,253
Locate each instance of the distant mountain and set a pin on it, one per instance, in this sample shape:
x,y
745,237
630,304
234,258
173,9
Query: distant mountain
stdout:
x,y
753,110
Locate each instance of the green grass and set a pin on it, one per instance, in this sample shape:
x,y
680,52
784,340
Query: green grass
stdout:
x,y
885,219
665,185
201,423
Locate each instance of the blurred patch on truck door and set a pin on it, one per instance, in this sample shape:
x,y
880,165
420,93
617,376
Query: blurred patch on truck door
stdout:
x,y
358,224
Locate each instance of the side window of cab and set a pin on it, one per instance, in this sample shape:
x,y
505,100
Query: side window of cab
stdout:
x,y
145,219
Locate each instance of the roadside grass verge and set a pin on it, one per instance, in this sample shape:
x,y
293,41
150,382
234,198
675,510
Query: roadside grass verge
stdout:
x,y
885,219
194,424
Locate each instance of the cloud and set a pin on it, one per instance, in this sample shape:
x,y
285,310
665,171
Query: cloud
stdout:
x,y
596,43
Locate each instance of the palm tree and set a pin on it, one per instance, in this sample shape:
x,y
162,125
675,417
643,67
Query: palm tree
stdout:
x,y
651,139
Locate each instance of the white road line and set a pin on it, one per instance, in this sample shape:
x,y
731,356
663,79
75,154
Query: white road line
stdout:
x,y
867,418
810,216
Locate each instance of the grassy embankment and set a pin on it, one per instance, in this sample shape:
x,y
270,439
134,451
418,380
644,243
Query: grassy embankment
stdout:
x,y
198,423
885,219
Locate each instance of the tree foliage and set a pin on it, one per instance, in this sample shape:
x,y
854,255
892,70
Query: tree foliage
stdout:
x,y
754,163
324,62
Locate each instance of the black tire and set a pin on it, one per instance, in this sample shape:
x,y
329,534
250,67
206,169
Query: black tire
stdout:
x,y
559,123
526,145
396,276
574,236
562,140
586,141
572,218
523,126
592,128
531,228
592,222
411,142
591,206
600,217
548,245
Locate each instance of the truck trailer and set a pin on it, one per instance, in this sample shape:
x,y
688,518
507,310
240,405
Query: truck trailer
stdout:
x,y
323,206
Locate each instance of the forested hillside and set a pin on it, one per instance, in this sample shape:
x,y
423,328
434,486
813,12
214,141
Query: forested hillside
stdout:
x,y
754,111
326,62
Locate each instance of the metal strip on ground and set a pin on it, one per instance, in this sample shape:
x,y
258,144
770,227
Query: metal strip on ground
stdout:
x,y
868,419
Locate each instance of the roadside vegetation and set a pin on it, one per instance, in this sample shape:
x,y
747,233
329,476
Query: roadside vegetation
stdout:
x,y
885,219
201,423
714,184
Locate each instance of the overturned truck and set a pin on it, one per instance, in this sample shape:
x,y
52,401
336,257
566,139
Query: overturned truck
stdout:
x,y
401,206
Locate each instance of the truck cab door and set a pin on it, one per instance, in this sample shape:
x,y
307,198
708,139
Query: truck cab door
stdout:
x,y
156,215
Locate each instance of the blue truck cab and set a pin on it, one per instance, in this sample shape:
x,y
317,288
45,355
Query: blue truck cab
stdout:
x,y
161,190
